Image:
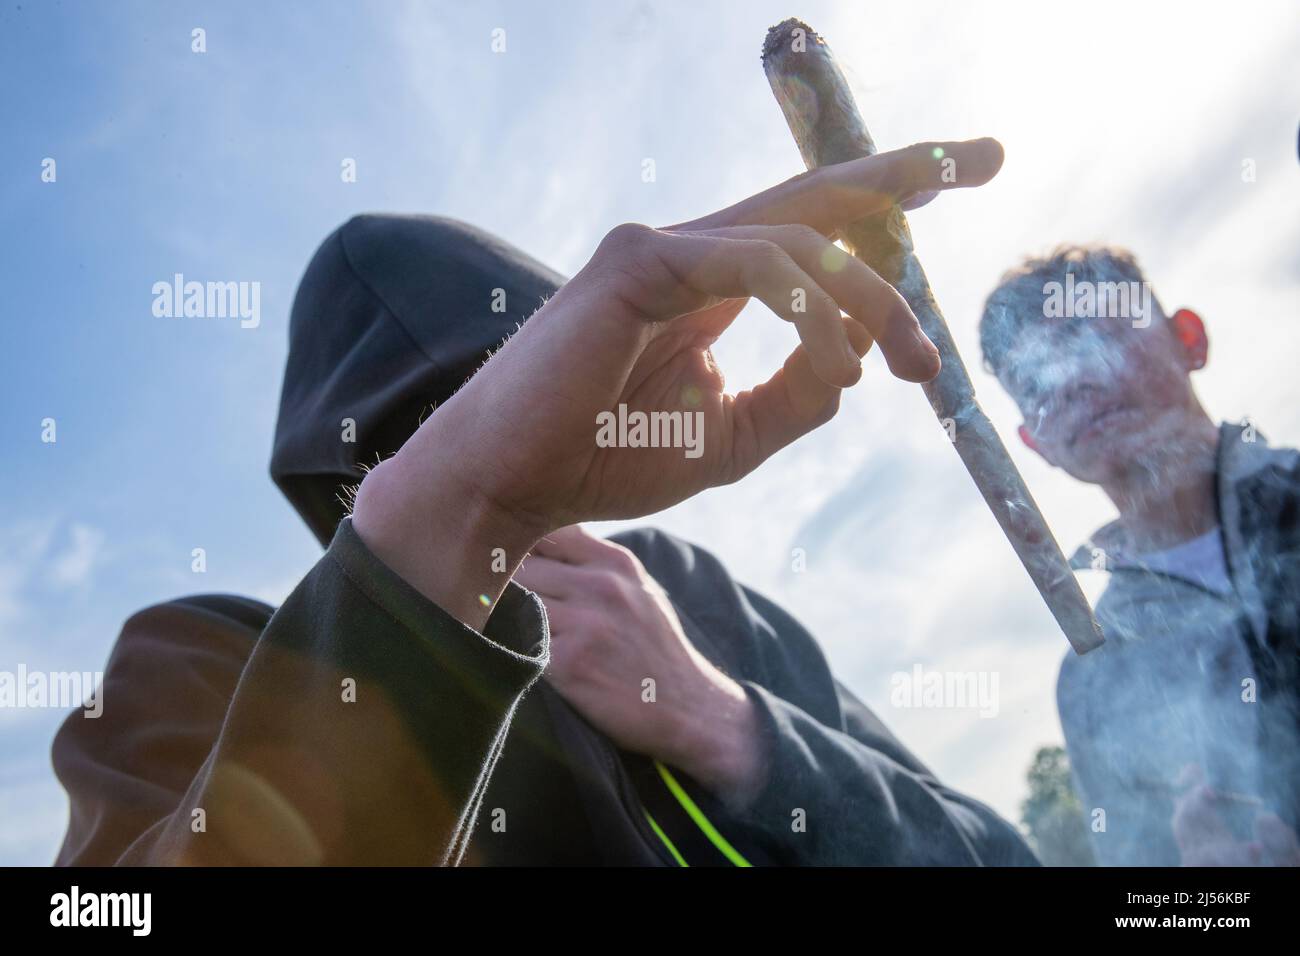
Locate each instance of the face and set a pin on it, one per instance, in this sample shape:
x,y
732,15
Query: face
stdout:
x,y
1100,397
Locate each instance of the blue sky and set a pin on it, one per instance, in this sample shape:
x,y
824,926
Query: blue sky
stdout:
x,y
1128,123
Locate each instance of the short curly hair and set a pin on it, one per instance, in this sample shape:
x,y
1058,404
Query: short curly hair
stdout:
x,y
1018,296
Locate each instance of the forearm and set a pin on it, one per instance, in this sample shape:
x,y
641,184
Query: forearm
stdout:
x,y
441,534
722,747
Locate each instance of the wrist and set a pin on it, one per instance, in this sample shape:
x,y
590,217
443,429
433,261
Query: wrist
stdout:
x,y
724,751
443,536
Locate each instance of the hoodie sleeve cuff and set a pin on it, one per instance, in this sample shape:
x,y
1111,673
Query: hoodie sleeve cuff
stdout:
x,y
775,735
510,654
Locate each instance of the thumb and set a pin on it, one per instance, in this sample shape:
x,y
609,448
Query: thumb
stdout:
x,y
790,404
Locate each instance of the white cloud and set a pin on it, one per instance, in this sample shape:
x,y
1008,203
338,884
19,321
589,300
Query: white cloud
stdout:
x,y
73,567
22,545
41,560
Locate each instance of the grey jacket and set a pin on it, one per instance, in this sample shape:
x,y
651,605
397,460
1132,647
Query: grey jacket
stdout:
x,y
1191,676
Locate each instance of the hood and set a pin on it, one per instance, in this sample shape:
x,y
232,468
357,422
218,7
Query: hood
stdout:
x,y
392,316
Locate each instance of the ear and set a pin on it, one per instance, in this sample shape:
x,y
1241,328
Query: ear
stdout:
x,y
1190,332
1027,437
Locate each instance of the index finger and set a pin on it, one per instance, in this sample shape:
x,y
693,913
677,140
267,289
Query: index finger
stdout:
x,y
834,196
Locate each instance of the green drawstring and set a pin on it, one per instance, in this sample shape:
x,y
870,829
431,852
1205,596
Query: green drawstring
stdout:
x,y
681,861
701,821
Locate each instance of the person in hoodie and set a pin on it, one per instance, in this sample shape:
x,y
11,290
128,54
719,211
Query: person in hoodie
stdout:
x,y
390,711
1182,728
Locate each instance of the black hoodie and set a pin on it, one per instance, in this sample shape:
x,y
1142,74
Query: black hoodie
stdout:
x,y
360,723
